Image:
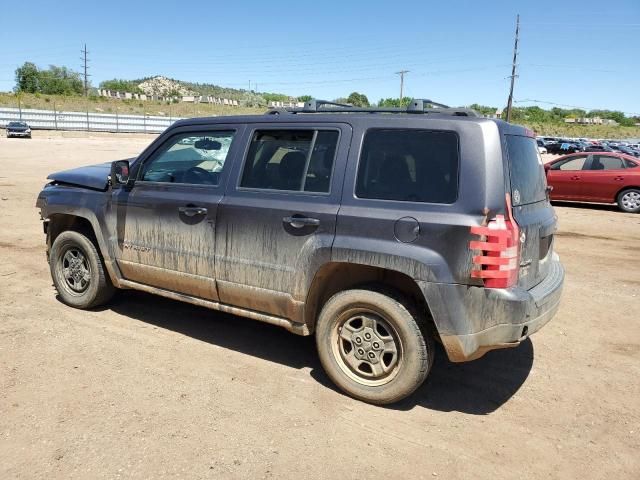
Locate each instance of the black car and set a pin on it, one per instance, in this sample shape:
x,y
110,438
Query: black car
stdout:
x,y
380,231
598,148
18,129
563,147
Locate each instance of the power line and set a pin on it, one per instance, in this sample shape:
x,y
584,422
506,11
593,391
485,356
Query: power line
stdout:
x,y
85,60
513,69
402,74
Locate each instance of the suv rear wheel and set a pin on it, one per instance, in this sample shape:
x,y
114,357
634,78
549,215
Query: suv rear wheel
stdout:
x,y
77,271
629,200
371,346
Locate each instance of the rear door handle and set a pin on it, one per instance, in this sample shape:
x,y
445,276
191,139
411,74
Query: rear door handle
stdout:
x,y
575,177
298,221
619,178
192,211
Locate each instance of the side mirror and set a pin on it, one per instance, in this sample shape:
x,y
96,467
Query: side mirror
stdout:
x,y
119,172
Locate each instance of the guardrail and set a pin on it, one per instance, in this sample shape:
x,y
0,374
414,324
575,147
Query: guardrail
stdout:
x,y
98,122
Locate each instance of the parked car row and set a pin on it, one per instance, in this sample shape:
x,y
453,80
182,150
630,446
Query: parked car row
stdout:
x,y
563,146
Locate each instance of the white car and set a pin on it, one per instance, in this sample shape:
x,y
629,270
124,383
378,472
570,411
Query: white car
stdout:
x,y
541,148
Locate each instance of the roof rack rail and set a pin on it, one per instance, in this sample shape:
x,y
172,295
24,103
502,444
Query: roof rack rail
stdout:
x,y
417,106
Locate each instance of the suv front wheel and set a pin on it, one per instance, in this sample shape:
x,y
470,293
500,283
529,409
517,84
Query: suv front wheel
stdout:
x,y
77,271
371,346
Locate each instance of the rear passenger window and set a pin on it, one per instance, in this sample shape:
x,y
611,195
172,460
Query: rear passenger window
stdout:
x,y
290,160
605,162
409,165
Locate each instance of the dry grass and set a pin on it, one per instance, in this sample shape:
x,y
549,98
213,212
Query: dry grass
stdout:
x,y
109,105
142,107
584,131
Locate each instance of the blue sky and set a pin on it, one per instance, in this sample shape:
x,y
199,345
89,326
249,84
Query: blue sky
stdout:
x,y
583,53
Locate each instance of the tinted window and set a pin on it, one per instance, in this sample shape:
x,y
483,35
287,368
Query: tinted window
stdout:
x,y
605,162
630,164
528,182
193,158
292,160
409,165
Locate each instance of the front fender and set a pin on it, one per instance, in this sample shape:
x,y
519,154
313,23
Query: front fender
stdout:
x,y
90,205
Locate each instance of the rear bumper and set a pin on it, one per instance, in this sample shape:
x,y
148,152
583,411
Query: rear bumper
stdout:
x,y
474,320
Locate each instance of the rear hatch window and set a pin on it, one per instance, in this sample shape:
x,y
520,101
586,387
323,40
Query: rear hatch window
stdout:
x,y
528,183
531,210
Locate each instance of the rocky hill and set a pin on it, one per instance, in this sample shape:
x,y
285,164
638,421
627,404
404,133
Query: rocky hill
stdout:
x,y
164,86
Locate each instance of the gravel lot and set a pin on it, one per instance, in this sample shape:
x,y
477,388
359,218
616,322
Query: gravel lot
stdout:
x,y
148,387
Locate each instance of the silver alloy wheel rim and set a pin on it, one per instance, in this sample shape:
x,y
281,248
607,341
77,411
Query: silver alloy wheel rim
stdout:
x,y
75,270
631,200
366,347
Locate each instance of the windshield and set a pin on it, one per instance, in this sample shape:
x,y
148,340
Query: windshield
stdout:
x,y
17,124
528,182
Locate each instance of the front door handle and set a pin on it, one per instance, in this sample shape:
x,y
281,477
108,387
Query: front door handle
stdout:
x,y
619,178
192,211
575,177
298,221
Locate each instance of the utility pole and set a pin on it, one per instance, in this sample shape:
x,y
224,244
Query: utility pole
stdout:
x,y
86,75
513,69
401,73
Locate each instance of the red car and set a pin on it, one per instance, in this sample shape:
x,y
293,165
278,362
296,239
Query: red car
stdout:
x,y
601,177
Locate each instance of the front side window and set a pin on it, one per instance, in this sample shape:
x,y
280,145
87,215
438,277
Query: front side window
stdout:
x,y
409,165
605,162
191,158
290,160
575,163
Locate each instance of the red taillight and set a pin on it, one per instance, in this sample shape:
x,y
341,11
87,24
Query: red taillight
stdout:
x,y
498,259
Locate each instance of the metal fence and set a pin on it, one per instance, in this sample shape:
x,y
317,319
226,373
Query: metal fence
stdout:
x,y
98,122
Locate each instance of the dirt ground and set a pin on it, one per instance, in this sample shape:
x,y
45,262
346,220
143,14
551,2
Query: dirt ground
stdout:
x,y
150,388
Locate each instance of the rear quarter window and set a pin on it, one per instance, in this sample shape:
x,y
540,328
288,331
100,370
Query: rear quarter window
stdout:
x,y
409,165
528,182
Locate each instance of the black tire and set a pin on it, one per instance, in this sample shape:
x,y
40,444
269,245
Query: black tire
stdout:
x,y
629,200
87,285
389,313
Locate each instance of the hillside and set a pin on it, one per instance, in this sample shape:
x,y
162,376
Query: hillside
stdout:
x,y
164,86
138,107
111,105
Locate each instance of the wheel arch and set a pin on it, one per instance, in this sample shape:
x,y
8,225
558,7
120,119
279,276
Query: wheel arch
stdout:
x,y
334,277
629,187
82,221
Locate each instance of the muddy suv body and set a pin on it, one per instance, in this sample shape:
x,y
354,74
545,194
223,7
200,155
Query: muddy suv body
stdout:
x,y
381,232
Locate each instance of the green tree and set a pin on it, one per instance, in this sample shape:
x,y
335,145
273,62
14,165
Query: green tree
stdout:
x,y
27,78
60,81
120,85
483,109
358,99
54,80
394,102
304,98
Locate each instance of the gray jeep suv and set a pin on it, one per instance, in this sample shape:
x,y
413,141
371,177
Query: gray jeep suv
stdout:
x,y
381,231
